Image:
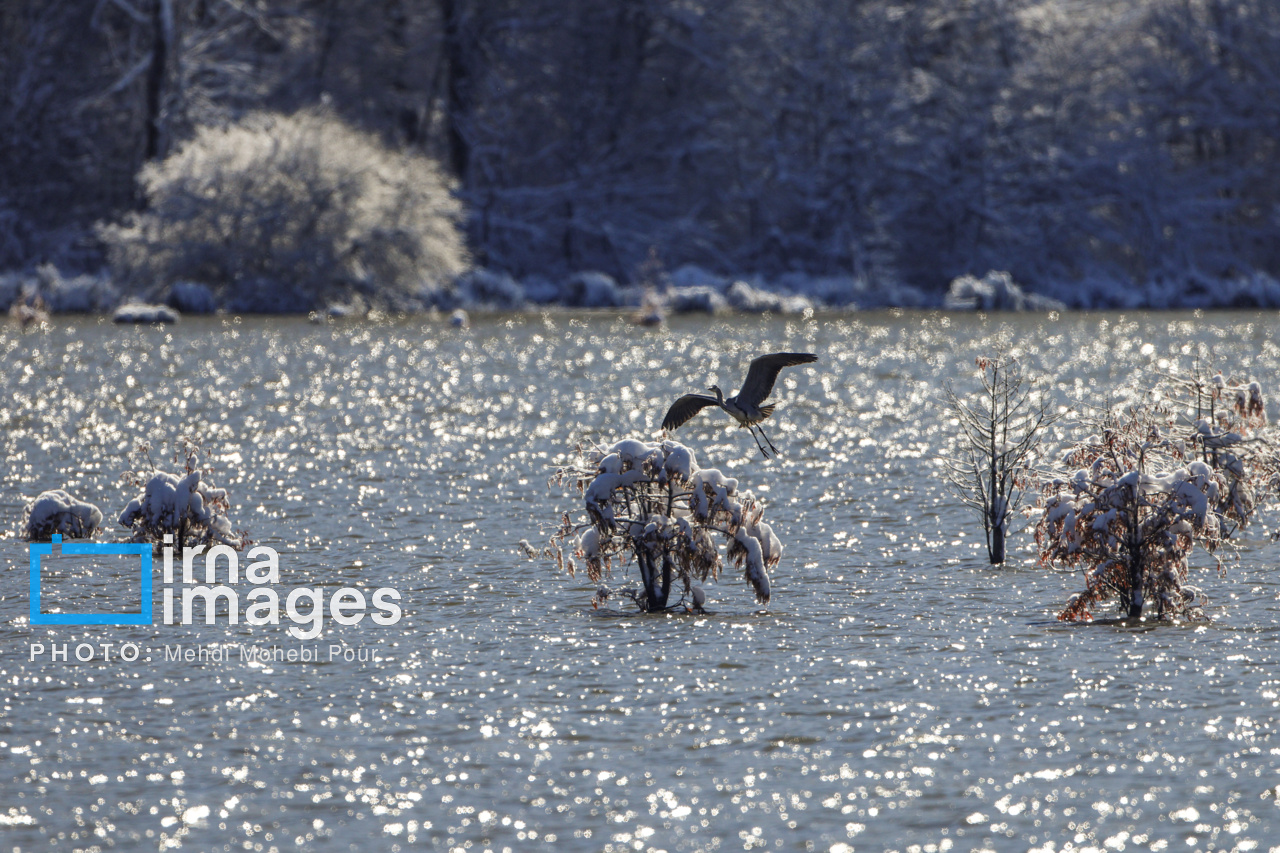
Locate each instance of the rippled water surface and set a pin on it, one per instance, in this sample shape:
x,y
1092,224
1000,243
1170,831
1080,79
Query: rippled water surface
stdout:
x,y
897,693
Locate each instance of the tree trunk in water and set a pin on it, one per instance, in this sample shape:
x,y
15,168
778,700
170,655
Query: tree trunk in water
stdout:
x,y
1135,585
667,574
996,518
997,543
656,588
1136,557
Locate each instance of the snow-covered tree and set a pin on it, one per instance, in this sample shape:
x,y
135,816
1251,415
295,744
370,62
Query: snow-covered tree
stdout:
x,y
1000,429
652,504
281,213
1147,487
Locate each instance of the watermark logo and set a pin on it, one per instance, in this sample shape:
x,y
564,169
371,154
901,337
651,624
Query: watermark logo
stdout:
x,y
143,552
253,597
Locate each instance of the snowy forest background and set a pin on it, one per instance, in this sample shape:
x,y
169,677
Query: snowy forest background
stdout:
x,y
893,146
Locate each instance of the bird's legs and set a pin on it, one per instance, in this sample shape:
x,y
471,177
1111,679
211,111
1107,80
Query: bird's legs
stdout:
x,y
766,438
752,430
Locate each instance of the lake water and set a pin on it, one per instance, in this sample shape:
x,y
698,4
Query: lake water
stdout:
x,y
898,693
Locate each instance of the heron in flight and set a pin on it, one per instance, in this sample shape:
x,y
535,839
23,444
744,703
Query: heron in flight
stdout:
x,y
744,407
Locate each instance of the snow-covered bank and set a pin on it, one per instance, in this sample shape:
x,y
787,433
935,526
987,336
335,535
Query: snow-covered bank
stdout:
x,y
693,290
687,290
996,291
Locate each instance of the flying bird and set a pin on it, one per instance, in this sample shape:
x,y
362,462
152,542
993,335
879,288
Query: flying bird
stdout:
x,y
744,407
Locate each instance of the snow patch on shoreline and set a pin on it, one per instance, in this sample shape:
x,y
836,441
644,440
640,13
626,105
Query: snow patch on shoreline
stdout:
x,y
688,290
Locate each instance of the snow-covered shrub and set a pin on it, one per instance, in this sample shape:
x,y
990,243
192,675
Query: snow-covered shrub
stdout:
x,y
696,300
81,294
303,204
56,511
486,288
652,503
1146,489
753,300
996,291
692,275
1195,289
187,507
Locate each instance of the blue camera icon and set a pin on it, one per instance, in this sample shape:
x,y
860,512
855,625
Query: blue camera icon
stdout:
x,y
143,551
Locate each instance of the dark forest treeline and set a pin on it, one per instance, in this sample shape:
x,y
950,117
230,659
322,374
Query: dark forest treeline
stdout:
x,y
912,142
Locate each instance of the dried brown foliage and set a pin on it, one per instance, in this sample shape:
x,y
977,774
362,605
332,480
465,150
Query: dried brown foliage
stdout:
x,y
1151,483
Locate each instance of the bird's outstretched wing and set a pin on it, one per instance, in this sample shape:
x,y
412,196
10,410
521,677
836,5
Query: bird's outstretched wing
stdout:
x,y
764,372
685,408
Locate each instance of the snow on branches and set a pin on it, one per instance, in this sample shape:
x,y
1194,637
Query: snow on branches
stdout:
x,y
651,502
1000,430
1151,483
57,511
188,507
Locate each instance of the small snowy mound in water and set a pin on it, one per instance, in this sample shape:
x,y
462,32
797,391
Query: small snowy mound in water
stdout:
x,y
651,502
996,291
136,312
170,504
55,511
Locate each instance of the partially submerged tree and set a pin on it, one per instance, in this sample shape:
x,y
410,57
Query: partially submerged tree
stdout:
x,y
1147,488
1001,428
651,503
187,508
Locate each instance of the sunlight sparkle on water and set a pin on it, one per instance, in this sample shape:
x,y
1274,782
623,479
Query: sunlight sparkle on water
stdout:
x,y
896,687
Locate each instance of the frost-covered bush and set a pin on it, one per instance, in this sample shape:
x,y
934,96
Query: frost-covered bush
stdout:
x,y
56,511
81,294
996,291
287,212
696,300
651,503
186,507
754,300
1146,489
497,290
